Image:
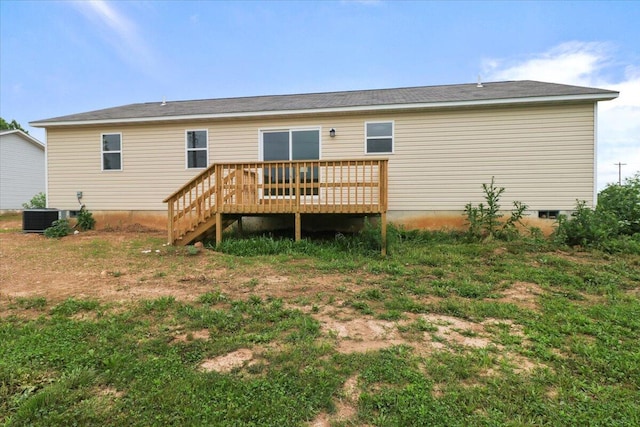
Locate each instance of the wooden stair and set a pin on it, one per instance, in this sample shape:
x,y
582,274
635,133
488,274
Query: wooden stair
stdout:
x,y
203,231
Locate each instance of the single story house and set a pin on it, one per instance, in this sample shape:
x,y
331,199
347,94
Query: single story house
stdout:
x,y
414,156
22,169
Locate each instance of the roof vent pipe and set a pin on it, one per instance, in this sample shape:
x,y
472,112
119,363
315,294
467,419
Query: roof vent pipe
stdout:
x,y
479,82
164,101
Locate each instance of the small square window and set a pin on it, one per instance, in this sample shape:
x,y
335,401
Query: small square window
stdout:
x,y
379,137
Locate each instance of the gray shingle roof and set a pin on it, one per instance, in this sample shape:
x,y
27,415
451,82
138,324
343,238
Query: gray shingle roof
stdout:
x,y
335,101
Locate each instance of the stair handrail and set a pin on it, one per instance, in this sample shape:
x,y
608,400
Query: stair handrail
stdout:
x,y
208,171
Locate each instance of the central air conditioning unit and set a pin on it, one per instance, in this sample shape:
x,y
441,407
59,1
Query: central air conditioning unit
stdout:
x,y
38,220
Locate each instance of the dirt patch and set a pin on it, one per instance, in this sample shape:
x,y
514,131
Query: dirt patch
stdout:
x,y
522,294
346,406
227,362
123,267
576,257
635,292
355,333
12,224
110,392
455,331
202,334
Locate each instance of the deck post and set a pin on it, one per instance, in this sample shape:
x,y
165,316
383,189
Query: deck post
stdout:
x,y
240,226
298,226
170,228
218,228
383,232
219,202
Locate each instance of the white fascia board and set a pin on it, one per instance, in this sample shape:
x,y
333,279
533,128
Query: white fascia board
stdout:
x,y
360,108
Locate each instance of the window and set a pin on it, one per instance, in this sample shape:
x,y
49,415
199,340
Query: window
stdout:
x,y
197,153
111,151
296,144
548,214
285,145
379,137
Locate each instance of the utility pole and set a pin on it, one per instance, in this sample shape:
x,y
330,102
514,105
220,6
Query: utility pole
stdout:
x,y
620,165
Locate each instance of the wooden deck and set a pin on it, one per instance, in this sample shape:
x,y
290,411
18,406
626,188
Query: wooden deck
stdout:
x,y
224,192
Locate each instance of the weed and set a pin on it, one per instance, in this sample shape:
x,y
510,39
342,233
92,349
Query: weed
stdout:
x,y
252,283
72,306
211,298
362,307
160,304
85,220
485,220
38,303
58,229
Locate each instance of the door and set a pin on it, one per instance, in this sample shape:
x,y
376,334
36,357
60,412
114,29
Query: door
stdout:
x,y
286,145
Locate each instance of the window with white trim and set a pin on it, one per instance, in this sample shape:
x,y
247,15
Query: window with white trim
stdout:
x,y
197,153
111,151
379,137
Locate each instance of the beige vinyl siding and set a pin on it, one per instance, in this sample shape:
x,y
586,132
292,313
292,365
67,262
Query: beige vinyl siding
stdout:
x,y
543,155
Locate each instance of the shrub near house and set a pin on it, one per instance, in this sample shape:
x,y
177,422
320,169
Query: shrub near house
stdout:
x,y
613,226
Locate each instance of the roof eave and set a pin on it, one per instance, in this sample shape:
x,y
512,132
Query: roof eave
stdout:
x,y
363,108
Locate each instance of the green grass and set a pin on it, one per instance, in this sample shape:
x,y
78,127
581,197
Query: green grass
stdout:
x,y
85,362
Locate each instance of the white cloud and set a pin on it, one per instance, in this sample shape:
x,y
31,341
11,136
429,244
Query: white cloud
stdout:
x,y
120,32
586,64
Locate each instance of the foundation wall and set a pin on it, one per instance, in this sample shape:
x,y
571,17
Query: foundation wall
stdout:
x,y
410,220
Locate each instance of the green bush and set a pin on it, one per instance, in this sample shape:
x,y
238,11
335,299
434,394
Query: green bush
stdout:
x,y
58,229
39,201
586,227
613,226
623,203
85,220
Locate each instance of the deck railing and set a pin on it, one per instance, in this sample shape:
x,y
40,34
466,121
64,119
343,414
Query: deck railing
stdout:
x,y
299,187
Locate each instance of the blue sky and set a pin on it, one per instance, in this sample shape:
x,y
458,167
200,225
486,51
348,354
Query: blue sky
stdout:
x,y
64,57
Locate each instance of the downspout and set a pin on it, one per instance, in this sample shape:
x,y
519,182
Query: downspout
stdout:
x,y
46,168
595,154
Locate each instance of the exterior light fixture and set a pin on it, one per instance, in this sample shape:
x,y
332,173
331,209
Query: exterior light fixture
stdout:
x,y
332,133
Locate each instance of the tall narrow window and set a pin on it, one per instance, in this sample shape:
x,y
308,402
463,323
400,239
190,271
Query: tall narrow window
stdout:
x,y
379,137
111,151
197,153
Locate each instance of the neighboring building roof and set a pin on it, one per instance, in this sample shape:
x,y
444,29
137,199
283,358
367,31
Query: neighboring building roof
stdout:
x,y
24,136
360,100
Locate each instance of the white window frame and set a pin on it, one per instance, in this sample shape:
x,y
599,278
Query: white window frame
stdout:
x,y
102,152
187,149
367,138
